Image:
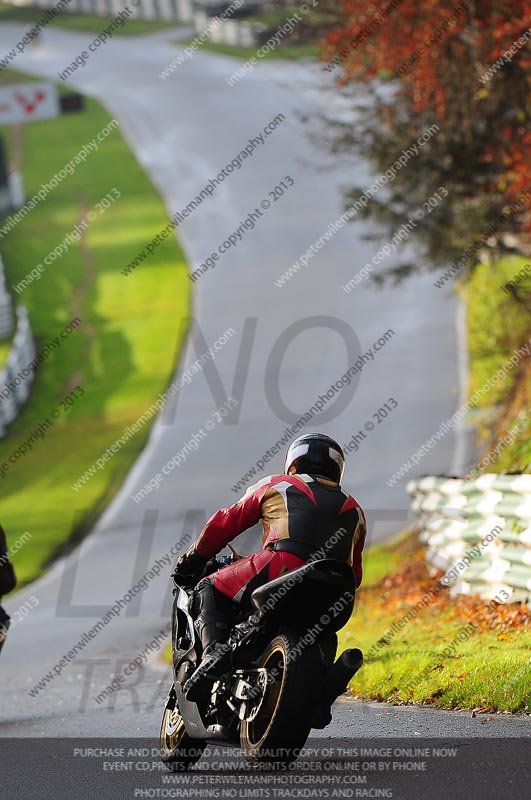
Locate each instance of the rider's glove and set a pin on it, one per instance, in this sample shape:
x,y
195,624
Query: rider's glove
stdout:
x,y
189,567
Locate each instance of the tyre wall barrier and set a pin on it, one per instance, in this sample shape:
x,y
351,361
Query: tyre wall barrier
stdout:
x,y
232,31
15,377
7,315
163,10
478,532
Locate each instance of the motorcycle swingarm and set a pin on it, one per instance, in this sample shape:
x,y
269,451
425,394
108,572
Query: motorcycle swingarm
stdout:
x,y
241,701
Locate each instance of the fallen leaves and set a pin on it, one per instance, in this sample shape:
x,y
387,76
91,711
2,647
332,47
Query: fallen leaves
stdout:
x,y
401,590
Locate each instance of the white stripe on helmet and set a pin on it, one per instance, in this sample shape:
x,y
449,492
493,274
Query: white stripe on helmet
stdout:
x,y
295,452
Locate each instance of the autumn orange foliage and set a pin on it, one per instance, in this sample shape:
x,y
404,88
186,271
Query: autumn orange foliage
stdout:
x,y
467,63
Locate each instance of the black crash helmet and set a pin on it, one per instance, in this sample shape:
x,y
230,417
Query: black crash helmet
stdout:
x,y
316,454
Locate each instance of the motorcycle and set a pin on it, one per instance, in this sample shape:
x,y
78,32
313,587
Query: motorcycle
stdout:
x,y
279,676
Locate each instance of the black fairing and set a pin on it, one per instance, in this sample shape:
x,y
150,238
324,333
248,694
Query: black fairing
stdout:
x,y
304,595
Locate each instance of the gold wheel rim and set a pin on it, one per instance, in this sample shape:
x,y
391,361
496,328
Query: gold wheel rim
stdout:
x,y
172,729
257,731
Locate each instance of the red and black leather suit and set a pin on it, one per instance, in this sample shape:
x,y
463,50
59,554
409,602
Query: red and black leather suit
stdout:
x,y
300,515
303,517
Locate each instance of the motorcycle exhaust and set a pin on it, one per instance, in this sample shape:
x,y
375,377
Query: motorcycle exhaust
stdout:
x,y
341,673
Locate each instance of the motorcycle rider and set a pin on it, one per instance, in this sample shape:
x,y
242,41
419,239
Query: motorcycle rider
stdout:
x,y
302,511
8,582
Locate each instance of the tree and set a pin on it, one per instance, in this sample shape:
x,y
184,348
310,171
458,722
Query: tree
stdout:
x,y
466,68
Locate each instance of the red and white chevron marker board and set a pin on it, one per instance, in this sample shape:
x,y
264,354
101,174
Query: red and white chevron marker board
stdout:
x,y
25,102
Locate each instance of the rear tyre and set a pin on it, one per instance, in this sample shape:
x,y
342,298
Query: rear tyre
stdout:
x,y
178,751
284,720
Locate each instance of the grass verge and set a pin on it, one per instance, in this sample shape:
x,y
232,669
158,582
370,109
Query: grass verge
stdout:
x,y
498,324
123,354
456,652
5,347
80,22
287,51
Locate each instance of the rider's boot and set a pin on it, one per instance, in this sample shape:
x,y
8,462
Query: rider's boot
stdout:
x,y
213,618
